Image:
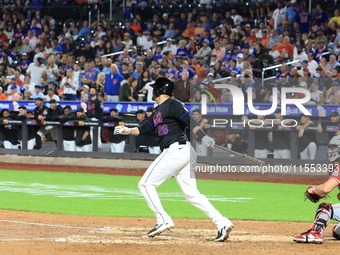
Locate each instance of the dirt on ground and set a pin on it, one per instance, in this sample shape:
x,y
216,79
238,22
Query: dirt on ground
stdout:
x,y
48,234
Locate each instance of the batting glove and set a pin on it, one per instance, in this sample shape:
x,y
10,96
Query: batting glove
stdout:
x,y
208,141
121,130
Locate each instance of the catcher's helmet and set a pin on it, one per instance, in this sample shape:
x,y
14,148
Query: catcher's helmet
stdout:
x,y
333,151
163,85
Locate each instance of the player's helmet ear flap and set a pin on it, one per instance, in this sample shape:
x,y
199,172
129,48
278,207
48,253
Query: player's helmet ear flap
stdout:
x,y
163,85
333,151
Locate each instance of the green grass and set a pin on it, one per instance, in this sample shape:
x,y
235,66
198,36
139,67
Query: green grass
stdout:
x,y
110,195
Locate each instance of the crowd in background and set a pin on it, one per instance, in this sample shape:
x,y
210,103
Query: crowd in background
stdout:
x,y
194,49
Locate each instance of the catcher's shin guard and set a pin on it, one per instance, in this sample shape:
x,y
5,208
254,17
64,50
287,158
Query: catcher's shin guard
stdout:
x,y
323,215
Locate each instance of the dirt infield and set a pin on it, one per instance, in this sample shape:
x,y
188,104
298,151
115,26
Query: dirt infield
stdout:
x,y
37,233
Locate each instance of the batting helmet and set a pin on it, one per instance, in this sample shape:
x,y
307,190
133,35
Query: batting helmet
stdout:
x,y
163,85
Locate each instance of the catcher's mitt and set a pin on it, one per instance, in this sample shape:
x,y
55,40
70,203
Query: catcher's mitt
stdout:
x,y
314,198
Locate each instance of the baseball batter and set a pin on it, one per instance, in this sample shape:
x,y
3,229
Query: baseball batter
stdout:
x,y
177,159
325,211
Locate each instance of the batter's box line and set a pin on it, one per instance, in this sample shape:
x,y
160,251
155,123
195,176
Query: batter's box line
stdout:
x,y
49,225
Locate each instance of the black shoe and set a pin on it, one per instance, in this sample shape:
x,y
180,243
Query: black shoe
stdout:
x,y
160,228
223,233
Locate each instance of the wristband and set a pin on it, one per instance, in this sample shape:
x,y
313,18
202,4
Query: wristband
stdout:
x,y
200,134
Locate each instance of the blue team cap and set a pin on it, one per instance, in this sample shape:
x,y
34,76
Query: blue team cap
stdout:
x,y
38,86
237,47
252,55
305,61
226,58
245,47
14,87
234,71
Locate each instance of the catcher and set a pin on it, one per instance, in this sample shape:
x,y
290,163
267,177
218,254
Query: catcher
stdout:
x,y
325,211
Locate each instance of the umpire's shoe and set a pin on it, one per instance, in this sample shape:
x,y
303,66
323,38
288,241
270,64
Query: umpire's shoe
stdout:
x,y
223,233
160,228
309,237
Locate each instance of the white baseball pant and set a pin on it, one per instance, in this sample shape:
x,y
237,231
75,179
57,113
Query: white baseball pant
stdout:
x,y
336,216
84,148
201,149
178,160
285,153
154,150
261,153
9,145
43,130
69,145
118,147
30,144
309,152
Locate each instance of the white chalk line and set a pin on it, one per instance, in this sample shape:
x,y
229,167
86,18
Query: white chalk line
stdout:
x,y
27,239
51,225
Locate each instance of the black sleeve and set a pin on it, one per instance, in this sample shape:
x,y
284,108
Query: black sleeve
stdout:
x,y
181,113
68,118
20,117
147,126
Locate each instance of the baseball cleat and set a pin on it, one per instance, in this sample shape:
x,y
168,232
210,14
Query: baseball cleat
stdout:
x,y
309,237
223,233
160,228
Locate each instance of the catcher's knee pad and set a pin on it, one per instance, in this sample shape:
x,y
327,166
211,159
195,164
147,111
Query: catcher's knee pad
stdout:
x,y
325,206
334,234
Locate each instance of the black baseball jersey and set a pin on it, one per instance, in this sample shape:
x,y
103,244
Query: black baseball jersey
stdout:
x,y
68,131
307,138
80,130
54,114
40,111
30,129
94,109
115,120
168,121
10,133
281,140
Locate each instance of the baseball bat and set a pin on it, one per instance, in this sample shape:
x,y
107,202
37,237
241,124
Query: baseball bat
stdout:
x,y
247,158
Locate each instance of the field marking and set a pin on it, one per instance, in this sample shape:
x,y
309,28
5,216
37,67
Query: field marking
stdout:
x,y
51,225
26,239
99,193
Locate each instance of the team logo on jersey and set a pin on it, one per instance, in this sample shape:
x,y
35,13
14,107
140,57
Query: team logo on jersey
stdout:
x,y
157,119
4,121
80,123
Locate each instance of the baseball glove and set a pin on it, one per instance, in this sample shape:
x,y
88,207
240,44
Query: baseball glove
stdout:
x,y
314,198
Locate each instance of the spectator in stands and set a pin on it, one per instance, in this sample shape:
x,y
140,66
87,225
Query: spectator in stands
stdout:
x,y
37,92
205,50
14,96
315,92
28,84
127,88
182,87
112,84
91,74
2,96
70,85
52,73
281,140
331,64
51,95
36,70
